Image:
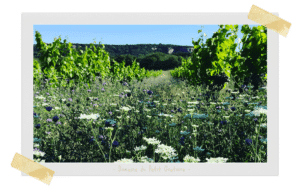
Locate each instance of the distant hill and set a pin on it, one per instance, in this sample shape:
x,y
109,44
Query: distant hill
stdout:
x,y
136,50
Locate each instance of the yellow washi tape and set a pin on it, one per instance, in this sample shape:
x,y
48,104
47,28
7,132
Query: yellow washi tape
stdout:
x,y
269,20
32,168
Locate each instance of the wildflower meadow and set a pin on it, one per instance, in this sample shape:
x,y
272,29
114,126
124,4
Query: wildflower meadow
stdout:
x,y
151,118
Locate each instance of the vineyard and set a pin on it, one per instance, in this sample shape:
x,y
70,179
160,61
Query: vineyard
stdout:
x,y
218,56
61,64
212,109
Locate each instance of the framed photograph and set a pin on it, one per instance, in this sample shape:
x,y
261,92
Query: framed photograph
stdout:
x,y
193,94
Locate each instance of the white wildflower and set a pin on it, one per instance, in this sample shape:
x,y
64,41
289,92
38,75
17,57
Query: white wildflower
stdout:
x,y
190,159
152,141
125,161
217,160
165,151
145,159
141,148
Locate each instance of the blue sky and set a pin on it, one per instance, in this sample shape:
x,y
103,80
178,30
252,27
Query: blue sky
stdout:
x,y
127,34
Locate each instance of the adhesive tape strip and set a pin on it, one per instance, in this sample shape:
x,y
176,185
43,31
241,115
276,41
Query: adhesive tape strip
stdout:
x,y
32,168
269,20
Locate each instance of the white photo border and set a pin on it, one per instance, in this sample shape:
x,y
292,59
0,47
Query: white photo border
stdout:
x,y
271,168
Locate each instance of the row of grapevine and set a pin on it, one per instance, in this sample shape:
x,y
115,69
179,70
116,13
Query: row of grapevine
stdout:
x,y
253,66
218,56
120,72
59,62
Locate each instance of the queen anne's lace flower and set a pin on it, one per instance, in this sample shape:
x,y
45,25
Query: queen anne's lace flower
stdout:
x,y
217,160
190,159
38,153
165,151
39,160
145,159
152,141
141,148
124,160
259,111
91,116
